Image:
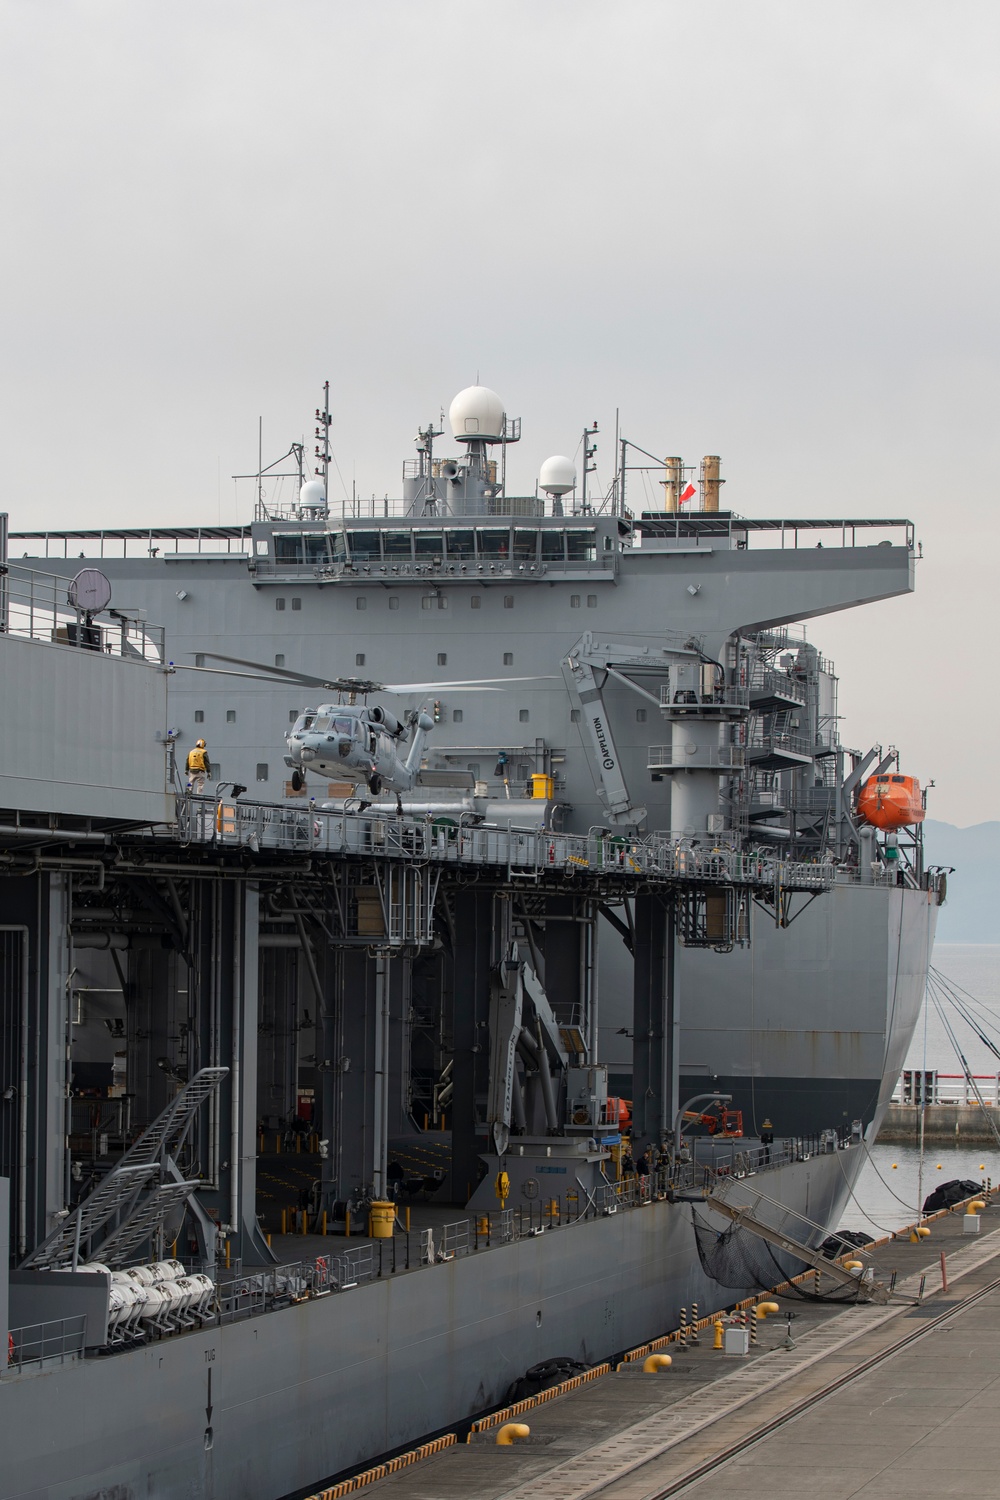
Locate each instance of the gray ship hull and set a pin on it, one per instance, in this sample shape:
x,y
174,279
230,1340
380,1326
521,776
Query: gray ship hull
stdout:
x,y
295,1396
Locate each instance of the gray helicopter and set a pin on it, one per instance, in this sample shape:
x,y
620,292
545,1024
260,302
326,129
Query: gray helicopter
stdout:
x,y
359,742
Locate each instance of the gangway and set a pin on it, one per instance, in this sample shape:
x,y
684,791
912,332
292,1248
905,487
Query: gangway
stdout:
x,y
754,1214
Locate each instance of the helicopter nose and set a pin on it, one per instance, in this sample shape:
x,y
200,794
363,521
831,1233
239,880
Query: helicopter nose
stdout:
x,y
307,754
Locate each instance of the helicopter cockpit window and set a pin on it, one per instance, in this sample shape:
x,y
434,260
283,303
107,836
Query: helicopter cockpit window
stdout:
x,y
461,544
321,722
364,546
581,546
428,543
396,545
343,724
493,544
525,545
302,723
553,546
288,548
315,548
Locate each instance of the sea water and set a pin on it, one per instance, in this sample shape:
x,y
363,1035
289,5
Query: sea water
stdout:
x,y
894,1181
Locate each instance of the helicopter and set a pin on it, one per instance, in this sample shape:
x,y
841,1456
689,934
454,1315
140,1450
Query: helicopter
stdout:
x,y
363,742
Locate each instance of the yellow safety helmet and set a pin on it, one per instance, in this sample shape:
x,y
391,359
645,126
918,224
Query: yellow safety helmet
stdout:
x,y
199,744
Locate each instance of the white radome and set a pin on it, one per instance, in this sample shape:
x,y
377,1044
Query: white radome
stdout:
x,y
476,412
557,475
312,494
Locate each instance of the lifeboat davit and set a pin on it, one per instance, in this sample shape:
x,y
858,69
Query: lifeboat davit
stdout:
x,y
891,801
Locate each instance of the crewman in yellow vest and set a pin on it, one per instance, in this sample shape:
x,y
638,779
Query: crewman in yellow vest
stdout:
x,y
197,768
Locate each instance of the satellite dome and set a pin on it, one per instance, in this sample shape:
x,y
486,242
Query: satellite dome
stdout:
x,y
476,413
557,475
312,495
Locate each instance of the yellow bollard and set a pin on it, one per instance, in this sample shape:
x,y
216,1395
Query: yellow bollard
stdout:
x,y
655,1362
511,1430
227,1255
284,1221
719,1330
347,1224
976,1206
921,1232
323,1230
854,1265
305,1222
764,1308
407,1219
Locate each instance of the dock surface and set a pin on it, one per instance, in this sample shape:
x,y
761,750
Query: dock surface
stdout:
x,y
868,1401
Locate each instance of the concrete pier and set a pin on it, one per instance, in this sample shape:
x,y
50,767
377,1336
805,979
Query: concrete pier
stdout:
x,y
861,1401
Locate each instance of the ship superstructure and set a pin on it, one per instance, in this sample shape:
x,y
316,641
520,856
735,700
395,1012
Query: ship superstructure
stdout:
x,y
644,852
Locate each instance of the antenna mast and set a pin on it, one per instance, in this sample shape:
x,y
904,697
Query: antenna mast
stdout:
x,y
323,420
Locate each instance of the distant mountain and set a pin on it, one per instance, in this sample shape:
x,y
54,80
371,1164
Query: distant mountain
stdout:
x,y
971,913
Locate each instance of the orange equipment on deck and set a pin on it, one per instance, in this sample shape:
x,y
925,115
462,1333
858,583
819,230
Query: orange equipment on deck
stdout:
x,y
891,801
728,1122
617,1112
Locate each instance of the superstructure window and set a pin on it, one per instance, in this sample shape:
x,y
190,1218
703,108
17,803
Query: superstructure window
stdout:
x,y
262,770
508,658
574,601
442,658
457,715
364,546
428,545
461,545
396,545
279,604
199,716
525,545
640,716
522,715
393,601
574,716
230,716
288,550
476,602
508,601
315,549
493,544
296,604
293,714
581,546
553,546
279,660
199,660
591,601
359,660
361,602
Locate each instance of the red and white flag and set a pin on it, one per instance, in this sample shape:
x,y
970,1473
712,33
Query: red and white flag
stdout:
x,y
688,494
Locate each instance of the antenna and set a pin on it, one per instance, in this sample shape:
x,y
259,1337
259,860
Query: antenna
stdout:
x,y
323,420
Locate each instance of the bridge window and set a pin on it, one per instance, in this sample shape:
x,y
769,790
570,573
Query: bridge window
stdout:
x,y
460,544
364,546
525,545
316,549
428,544
553,546
581,546
396,545
493,544
288,550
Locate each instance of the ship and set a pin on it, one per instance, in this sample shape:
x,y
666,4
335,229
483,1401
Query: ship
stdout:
x,y
628,862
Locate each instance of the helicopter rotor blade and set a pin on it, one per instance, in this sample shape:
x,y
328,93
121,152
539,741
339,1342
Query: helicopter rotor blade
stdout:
x,y
278,675
487,684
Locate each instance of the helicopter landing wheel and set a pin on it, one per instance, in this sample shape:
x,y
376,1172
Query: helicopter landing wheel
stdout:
x,y
375,785
297,781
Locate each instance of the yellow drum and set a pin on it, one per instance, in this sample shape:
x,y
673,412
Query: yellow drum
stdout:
x,y
381,1218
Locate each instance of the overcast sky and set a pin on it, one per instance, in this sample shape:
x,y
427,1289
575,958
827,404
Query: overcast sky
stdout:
x,y
766,229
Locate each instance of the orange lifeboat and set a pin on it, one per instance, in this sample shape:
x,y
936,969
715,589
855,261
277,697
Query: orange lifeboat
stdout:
x,y
891,801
